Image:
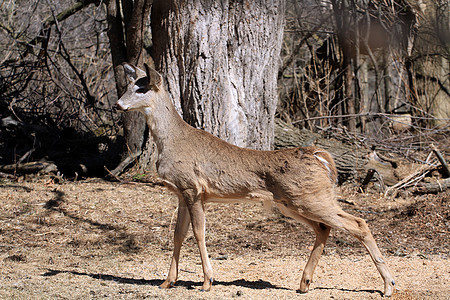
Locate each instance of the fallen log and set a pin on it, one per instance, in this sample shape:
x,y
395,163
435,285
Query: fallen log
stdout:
x,y
352,161
29,167
411,179
6,175
432,187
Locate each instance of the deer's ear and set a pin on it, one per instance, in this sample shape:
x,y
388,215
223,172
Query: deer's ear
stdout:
x,y
153,77
132,72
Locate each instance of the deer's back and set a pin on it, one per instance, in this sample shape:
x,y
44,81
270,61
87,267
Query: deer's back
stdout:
x,y
205,163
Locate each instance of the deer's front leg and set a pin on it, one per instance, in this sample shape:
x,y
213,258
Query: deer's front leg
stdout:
x,y
198,225
181,229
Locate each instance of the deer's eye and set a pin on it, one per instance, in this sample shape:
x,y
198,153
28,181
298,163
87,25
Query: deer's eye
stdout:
x,y
141,90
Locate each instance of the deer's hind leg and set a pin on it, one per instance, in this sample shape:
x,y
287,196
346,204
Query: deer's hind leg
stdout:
x,y
359,229
322,232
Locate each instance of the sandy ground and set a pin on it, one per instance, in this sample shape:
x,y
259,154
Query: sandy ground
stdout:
x,y
91,240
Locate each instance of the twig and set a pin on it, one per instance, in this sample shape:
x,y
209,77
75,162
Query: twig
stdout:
x,y
367,114
298,47
441,160
113,175
346,201
187,271
412,178
50,21
25,156
394,162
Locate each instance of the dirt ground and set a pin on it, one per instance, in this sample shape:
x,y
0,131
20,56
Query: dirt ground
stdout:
x,y
95,239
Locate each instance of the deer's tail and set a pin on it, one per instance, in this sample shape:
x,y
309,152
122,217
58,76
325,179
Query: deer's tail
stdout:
x,y
327,163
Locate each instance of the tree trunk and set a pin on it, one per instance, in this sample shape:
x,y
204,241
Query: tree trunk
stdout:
x,y
346,35
126,21
364,91
220,59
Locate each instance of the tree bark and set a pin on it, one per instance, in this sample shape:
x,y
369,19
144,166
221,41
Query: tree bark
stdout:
x,y
220,59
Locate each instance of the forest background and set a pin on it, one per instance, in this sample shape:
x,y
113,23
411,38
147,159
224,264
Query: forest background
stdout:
x,y
372,74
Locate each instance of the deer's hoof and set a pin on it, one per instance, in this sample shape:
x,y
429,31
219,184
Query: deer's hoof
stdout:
x,y
389,288
304,286
167,284
207,285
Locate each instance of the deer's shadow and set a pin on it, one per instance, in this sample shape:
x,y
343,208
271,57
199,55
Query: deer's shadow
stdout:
x,y
255,285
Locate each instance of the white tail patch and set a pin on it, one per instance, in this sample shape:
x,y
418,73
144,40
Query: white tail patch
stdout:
x,y
325,163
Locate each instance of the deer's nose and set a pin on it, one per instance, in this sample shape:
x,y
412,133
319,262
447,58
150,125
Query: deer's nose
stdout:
x,y
118,107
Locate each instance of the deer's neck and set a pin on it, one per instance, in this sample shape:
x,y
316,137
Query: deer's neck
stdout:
x,y
164,122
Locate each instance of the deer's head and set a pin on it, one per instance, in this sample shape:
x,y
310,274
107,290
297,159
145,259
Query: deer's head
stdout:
x,y
142,88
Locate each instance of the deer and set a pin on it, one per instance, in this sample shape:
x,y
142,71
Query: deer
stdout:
x,y
200,168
